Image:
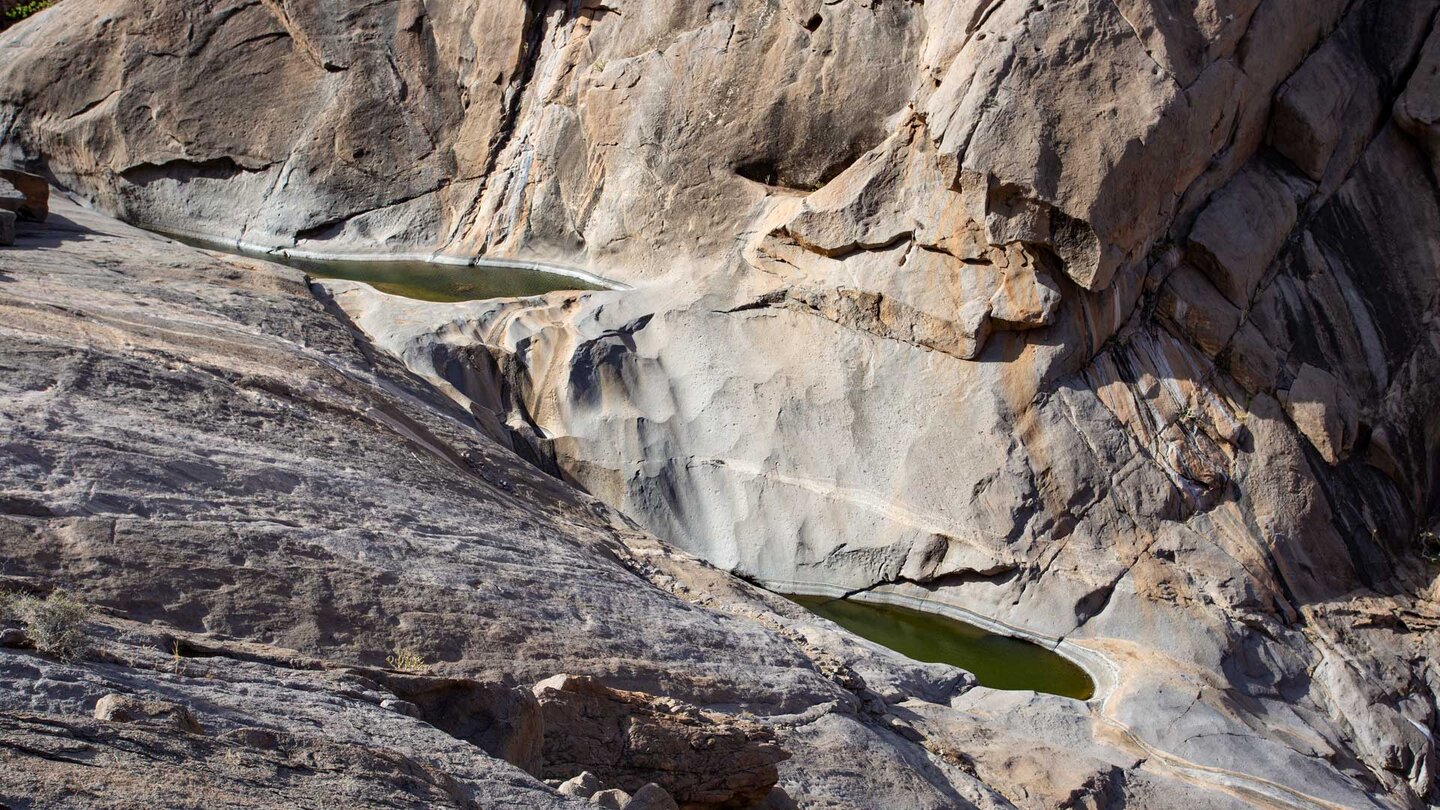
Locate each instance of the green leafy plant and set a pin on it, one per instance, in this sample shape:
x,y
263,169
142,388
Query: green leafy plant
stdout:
x,y
12,12
55,624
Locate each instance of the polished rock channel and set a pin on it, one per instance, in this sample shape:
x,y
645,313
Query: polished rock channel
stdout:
x,y
996,661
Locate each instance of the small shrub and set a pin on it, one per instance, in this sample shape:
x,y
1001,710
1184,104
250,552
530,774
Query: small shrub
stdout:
x,y
405,659
12,12
56,624
177,660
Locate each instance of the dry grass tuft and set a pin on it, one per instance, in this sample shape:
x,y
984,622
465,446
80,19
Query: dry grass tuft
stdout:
x,y
405,659
56,624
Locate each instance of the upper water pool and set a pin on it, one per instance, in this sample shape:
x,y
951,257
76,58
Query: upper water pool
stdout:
x,y
446,283
421,280
998,662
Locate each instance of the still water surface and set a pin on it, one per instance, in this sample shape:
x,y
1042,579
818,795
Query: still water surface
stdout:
x,y
426,281
423,281
999,662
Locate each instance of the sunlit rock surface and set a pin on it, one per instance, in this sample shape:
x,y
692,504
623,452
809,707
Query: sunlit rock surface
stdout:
x,y
1114,321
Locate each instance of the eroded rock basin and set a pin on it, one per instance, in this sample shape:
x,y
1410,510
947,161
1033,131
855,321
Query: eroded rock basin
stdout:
x,y
996,661
424,280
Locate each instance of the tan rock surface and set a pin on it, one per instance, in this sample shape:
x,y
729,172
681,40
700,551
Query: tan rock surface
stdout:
x,y
630,740
999,305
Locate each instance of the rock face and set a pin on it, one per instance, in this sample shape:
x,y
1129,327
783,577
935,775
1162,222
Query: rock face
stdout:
x,y
504,721
1115,321
629,740
262,509
27,195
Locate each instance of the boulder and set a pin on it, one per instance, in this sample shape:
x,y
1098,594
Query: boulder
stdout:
x,y
612,799
582,786
652,797
1309,110
34,191
701,759
1242,229
118,708
1323,411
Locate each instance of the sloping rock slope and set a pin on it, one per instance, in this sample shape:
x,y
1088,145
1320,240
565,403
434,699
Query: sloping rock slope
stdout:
x,y
263,510
1112,320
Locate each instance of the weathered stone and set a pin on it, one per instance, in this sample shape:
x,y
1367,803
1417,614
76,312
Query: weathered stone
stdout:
x,y
811,405
1197,311
629,739
459,529
651,797
1241,231
1323,411
404,707
583,786
503,721
254,737
1252,361
1310,108
35,193
612,799
131,709
1417,110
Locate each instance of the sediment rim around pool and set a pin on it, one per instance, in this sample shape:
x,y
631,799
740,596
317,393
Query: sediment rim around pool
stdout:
x,y
259,251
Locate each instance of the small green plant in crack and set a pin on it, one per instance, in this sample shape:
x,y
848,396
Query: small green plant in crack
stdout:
x,y
55,624
405,659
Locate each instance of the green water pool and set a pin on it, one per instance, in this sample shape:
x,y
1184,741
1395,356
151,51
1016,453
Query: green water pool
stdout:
x,y
426,281
422,281
999,662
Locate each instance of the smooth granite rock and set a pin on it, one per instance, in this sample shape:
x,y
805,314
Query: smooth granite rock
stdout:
x,y
1110,321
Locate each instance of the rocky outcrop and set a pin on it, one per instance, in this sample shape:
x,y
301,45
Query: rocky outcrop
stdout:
x,y
629,740
503,721
1114,321
25,194
183,438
